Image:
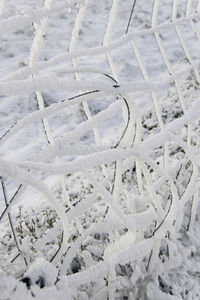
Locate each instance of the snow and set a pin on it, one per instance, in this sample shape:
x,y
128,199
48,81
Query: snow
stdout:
x,y
99,158
44,270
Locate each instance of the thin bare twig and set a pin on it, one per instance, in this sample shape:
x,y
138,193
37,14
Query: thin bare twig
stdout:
x,y
10,220
131,15
8,206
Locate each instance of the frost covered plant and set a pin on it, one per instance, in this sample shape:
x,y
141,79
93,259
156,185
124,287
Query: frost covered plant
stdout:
x,y
107,198
116,235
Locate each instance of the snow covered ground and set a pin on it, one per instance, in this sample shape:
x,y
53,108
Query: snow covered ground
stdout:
x,y
99,149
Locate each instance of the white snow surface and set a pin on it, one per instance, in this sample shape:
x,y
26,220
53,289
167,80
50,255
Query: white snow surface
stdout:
x,y
99,149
